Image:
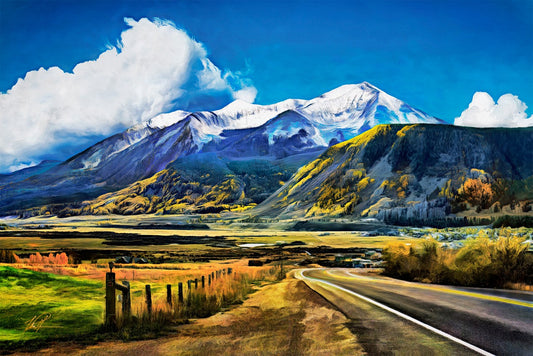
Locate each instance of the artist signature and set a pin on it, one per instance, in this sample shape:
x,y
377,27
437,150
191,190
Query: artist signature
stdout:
x,y
36,323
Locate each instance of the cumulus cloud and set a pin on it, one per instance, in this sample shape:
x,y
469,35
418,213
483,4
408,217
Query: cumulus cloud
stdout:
x,y
509,111
154,68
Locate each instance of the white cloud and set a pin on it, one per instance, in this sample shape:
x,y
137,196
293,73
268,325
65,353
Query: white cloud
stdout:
x,y
509,111
247,94
154,68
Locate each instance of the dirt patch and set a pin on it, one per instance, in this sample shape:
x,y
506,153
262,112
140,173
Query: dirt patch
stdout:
x,y
285,318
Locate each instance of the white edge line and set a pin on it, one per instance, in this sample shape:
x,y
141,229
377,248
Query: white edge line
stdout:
x,y
402,315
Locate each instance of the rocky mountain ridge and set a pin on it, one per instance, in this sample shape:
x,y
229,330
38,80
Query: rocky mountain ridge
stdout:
x,y
411,172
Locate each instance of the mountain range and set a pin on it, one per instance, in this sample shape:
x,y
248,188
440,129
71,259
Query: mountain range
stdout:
x,y
171,149
354,151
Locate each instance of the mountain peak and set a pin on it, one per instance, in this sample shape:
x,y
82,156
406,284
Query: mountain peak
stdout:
x,y
299,126
237,106
167,119
349,90
368,85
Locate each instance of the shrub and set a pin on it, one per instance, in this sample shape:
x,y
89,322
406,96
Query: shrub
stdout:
x,y
57,259
8,256
482,262
477,193
513,221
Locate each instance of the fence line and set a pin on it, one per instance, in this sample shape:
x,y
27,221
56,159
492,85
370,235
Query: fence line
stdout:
x,y
112,286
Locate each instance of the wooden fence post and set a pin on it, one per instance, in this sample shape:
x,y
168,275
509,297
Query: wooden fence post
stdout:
x,y
110,300
126,298
230,270
209,279
180,293
149,299
189,285
169,294
203,281
196,283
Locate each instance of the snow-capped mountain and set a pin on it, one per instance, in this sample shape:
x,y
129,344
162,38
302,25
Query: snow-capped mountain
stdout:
x,y
286,134
238,130
333,117
353,109
337,115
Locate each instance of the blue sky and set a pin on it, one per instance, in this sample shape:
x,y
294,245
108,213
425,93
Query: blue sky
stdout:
x,y
434,55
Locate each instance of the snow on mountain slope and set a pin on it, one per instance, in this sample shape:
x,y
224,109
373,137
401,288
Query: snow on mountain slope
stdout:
x,y
164,120
240,114
352,109
340,105
337,115
287,134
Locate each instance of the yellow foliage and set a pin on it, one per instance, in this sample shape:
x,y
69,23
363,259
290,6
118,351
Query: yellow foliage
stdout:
x,y
481,262
363,183
365,137
404,180
477,192
309,171
402,132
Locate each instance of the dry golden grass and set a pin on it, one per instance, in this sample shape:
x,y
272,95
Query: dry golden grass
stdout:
x,y
158,276
165,272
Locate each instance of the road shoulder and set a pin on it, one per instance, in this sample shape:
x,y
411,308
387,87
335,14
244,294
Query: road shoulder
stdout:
x,y
380,332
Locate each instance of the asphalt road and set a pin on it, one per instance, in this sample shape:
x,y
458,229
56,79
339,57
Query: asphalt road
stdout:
x,y
498,322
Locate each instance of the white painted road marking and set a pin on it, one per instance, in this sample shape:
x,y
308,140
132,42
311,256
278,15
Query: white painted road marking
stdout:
x,y
402,315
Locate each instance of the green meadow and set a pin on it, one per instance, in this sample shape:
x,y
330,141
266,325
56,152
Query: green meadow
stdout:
x,y
40,306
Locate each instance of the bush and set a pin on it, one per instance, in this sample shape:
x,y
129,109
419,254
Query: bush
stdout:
x,y
7,256
513,221
482,262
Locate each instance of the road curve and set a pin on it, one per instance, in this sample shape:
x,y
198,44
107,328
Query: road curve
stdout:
x,y
486,321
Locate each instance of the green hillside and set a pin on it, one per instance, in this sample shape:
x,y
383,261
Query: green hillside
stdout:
x,y
200,183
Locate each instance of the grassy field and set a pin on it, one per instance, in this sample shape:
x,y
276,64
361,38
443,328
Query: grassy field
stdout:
x,y
40,306
68,301
50,302
284,318
265,238
43,302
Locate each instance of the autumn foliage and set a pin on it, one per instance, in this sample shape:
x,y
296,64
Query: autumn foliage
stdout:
x,y
477,193
51,259
482,262
8,256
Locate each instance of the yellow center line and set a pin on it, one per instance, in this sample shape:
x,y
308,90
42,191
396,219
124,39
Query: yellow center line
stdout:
x,y
442,289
